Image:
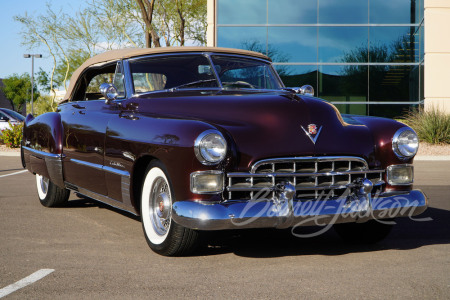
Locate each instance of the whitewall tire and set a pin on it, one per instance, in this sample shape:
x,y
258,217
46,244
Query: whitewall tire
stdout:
x,y
163,235
49,194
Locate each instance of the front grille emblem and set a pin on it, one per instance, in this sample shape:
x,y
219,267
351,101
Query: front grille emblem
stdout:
x,y
312,132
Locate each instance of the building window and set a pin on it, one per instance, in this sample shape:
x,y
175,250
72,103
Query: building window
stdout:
x,y
365,56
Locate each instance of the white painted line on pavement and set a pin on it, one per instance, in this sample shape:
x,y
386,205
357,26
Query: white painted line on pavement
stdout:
x,y
15,173
24,282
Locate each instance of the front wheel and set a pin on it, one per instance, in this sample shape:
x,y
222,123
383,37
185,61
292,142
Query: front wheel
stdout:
x,y
370,232
50,195
162,234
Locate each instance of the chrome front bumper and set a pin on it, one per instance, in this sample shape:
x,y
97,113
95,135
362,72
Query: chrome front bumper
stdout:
x,y
292,213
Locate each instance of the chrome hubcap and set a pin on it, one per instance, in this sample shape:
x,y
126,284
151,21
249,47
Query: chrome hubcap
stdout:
x,y
44,184
160,206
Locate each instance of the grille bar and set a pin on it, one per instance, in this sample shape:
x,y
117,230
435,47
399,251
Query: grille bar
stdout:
x,y
308,175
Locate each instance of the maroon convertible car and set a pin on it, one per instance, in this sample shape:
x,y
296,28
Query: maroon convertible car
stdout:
x,y
196,139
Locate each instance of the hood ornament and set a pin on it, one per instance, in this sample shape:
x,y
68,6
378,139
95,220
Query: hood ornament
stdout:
x,y
312,132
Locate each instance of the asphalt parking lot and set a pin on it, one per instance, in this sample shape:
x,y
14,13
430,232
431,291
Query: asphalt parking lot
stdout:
x,y
98,252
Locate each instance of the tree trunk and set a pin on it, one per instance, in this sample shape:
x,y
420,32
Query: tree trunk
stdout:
x,y
147,16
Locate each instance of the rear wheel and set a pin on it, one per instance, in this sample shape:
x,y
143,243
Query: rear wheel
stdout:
x,y
370,232
50,195
162,234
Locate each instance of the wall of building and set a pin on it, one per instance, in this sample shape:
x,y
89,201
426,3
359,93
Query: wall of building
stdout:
x,y
437,54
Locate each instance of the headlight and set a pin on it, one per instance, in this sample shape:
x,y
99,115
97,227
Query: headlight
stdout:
x,y
210,147
405,143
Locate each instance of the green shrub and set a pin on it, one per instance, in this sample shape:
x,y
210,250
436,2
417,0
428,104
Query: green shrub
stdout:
x,y
432,126
12,136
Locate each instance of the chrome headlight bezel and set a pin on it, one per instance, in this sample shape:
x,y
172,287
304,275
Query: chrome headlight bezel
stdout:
x,y
398,147
200,151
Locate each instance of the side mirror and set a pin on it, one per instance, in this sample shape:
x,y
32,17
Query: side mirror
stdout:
x,y
109,91
304,90
4,119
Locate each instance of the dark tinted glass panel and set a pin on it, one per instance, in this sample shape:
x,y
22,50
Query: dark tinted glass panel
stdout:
x,y
248,38
393,44
293,44
292,11
343,44
343,11
393,111
242,12
296,76
394,11
394,83
343,83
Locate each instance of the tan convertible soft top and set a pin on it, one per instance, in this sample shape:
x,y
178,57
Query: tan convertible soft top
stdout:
x,y
133,52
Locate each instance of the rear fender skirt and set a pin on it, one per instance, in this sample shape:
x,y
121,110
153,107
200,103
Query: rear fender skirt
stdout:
x,y
46,164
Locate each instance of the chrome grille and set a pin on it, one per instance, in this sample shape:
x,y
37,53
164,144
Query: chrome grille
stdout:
x,y
313,177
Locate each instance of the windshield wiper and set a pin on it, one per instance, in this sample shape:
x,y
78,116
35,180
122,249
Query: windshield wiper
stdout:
x,y
192,83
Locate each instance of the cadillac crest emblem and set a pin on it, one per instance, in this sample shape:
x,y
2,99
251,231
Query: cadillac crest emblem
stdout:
x,y
312,132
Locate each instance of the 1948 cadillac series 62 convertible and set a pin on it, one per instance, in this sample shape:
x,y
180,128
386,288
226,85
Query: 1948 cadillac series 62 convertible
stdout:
x,y
197,139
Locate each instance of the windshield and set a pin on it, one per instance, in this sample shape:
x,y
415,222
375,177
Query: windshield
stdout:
x,y
237,72
194,71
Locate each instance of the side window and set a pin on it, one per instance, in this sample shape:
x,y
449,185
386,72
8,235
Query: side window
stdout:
x,y
88,84
119,80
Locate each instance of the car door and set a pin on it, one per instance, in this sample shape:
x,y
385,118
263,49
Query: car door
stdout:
x,y
85,121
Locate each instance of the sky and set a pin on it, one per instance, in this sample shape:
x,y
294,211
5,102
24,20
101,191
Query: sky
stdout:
x,y
11,50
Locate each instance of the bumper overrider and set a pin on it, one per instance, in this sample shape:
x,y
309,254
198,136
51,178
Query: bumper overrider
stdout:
x,y
357,205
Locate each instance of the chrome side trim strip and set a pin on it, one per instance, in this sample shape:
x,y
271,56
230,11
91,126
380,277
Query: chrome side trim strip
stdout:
x,y
101,167
85,163
43,153
101,198
116,171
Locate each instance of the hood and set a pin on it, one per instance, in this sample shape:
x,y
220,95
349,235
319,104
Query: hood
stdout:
x,y
269,125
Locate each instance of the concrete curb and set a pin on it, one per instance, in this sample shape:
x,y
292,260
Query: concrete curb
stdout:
x,y
431,157
10,154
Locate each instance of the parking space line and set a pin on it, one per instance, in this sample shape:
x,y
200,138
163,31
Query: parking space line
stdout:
x,y
24,282
13,173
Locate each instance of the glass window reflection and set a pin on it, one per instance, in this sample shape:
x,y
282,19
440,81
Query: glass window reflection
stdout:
x,y
343,83
292,11
248,38
393,83
394,12
393,44
242,12
343,12
296,76
343,44
293,44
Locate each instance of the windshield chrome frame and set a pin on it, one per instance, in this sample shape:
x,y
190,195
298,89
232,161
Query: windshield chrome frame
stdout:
x,y
129,78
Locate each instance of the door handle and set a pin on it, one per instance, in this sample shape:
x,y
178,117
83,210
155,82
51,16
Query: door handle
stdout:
x,y
78,106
